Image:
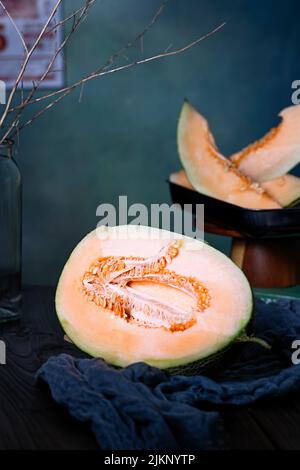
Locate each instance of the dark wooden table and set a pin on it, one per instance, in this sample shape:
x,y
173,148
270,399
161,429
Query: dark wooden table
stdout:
x,y
30,419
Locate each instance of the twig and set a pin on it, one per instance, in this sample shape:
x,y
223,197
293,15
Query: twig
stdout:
x,y
65,91
25,63
68,18
14,25
77,16
76,24
101,72
108,63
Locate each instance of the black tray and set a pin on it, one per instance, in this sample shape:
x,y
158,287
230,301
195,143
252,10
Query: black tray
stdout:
x,y
248,222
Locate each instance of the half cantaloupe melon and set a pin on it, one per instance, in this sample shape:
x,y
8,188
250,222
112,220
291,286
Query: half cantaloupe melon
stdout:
x,y
285,190
151,295
210,172
276,153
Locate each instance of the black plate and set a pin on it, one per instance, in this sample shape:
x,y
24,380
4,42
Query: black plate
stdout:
x,y
249,222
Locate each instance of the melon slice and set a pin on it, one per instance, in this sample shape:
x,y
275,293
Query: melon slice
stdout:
x,y
276,153
210,172
153,296
285,190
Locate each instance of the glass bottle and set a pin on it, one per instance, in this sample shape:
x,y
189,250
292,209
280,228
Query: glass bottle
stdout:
x,y
10,234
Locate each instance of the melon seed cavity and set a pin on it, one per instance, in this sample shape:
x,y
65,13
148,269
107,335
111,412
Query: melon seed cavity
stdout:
x,y
107,283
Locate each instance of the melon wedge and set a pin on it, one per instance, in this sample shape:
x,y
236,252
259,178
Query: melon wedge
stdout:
x,y
285,190
176,302
210,172
276,153
180,178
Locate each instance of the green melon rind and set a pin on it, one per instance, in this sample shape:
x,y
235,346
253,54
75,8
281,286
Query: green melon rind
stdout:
x,y
294,203
201,365
198,367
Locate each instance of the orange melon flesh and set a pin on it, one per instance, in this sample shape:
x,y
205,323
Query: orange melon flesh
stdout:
x,y
276,153
210,172
101,333
285,190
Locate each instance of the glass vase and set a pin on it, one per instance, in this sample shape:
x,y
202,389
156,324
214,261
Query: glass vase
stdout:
x,y
10,234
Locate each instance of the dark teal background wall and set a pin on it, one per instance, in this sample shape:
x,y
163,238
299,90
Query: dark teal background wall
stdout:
x,y
121,137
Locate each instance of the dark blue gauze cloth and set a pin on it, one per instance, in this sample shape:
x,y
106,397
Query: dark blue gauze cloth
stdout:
x,y
141,407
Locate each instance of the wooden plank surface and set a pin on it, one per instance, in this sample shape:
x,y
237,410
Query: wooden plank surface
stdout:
x,y
30,419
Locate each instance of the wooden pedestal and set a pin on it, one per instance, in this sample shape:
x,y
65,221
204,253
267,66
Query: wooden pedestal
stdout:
x,y
267,263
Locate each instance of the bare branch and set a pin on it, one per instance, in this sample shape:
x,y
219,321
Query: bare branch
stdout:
x,y
82,13
108,63
104,71
70,17
38,114
65,91
25,63
56,96
14,26
76,23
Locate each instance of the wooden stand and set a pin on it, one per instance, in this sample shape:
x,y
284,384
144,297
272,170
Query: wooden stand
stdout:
x,y
267,263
